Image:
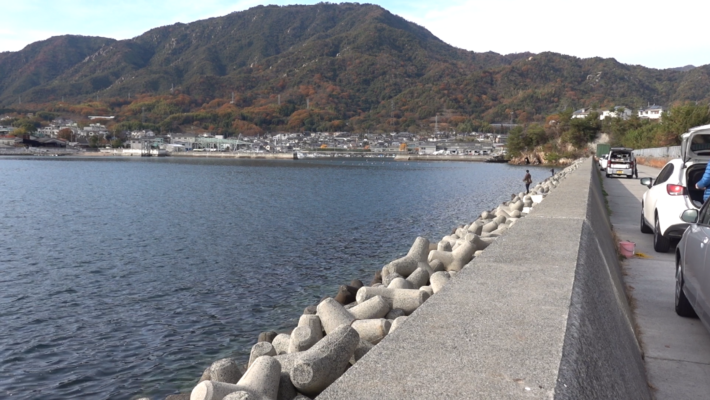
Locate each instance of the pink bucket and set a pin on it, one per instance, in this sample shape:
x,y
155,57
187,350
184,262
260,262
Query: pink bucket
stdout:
x,y
627,249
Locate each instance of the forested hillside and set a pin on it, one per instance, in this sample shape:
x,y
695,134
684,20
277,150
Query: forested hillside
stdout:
x,y
321,67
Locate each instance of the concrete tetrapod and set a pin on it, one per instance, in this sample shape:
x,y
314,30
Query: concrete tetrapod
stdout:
x,y
427,289
490,226
258,350
407,264
476,227
444,245
406,299
397,323
332,314
388,277
261,381
396,313
302,338
267,336
400,283
362,348
372,330
376,307
281,343
323,363
313,322
436,266
225,370
438,280
418,278
455,260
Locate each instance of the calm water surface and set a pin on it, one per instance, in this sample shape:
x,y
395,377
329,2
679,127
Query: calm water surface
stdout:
x,y
122,278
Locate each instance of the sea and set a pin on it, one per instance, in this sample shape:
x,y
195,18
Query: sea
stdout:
x,y
126,277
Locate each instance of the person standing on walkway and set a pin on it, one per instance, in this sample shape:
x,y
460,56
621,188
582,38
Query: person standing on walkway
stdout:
x,y
527,180
552,171
704,183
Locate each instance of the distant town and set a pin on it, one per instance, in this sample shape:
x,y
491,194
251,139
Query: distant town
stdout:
x,y
139,142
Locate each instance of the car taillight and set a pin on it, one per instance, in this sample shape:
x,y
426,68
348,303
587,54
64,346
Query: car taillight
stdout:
x,y
676,190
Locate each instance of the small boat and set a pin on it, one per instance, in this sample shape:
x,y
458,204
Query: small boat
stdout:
x,y
298,156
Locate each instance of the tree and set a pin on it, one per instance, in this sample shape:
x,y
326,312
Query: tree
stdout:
x,y
516,142
65,134
583,130
94,141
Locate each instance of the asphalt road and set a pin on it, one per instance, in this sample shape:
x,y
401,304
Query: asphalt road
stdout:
x,y
677,350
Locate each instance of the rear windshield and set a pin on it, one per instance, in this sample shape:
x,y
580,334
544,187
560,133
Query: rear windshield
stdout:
x,y
700,143
620,156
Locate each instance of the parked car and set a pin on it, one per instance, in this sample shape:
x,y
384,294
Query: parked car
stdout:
x,y
603,161
692,283
673,190
621,161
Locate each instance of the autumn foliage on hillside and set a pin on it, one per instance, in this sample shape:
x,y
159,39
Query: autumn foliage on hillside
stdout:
x,y
325,67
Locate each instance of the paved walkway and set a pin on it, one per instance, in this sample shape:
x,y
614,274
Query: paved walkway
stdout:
x,y
677,350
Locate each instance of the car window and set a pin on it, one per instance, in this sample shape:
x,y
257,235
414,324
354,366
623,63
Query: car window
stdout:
x,y
704,217
700,144
666,173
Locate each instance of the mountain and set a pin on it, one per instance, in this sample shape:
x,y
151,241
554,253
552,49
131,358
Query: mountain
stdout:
x,y
346,62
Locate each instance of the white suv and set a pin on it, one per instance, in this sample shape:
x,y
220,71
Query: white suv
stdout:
x,y
673,191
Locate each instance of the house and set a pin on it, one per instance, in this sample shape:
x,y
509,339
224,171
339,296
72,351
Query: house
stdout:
x,y
616,112
7,141
651,112
581,113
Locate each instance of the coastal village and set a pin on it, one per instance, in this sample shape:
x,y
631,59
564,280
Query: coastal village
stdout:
x,y
147,142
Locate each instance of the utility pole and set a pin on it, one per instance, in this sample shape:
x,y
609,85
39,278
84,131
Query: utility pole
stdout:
x,y
142,115
279,100
308,104
232,102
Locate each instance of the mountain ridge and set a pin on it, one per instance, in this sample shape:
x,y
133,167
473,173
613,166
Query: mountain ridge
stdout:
x,y
347,60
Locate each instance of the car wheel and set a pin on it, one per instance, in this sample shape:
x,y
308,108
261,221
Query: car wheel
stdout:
x,y
644,227
660,243
682,305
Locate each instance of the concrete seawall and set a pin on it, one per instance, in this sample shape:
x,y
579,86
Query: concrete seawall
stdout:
x,y
542,313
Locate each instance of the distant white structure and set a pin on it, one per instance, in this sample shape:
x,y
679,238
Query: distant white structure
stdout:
x,y
616,112
93,117
651,112
581,113
142,134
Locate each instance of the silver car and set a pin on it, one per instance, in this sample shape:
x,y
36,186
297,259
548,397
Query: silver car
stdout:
x,y
692,288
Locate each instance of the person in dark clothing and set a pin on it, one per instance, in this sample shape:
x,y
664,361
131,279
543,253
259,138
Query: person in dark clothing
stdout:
x,y
527,180
552,171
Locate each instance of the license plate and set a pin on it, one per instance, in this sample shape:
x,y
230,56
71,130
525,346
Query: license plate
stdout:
x,y
619,172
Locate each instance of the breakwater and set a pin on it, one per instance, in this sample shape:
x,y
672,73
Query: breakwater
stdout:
x,y
359,323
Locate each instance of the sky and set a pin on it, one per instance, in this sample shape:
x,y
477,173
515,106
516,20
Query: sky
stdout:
x,y
653,34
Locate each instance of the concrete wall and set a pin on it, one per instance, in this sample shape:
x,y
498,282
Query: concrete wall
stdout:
x,y
541,314
659,152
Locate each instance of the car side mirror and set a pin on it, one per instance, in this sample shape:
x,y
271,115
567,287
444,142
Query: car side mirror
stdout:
x,y
648,182
690,216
